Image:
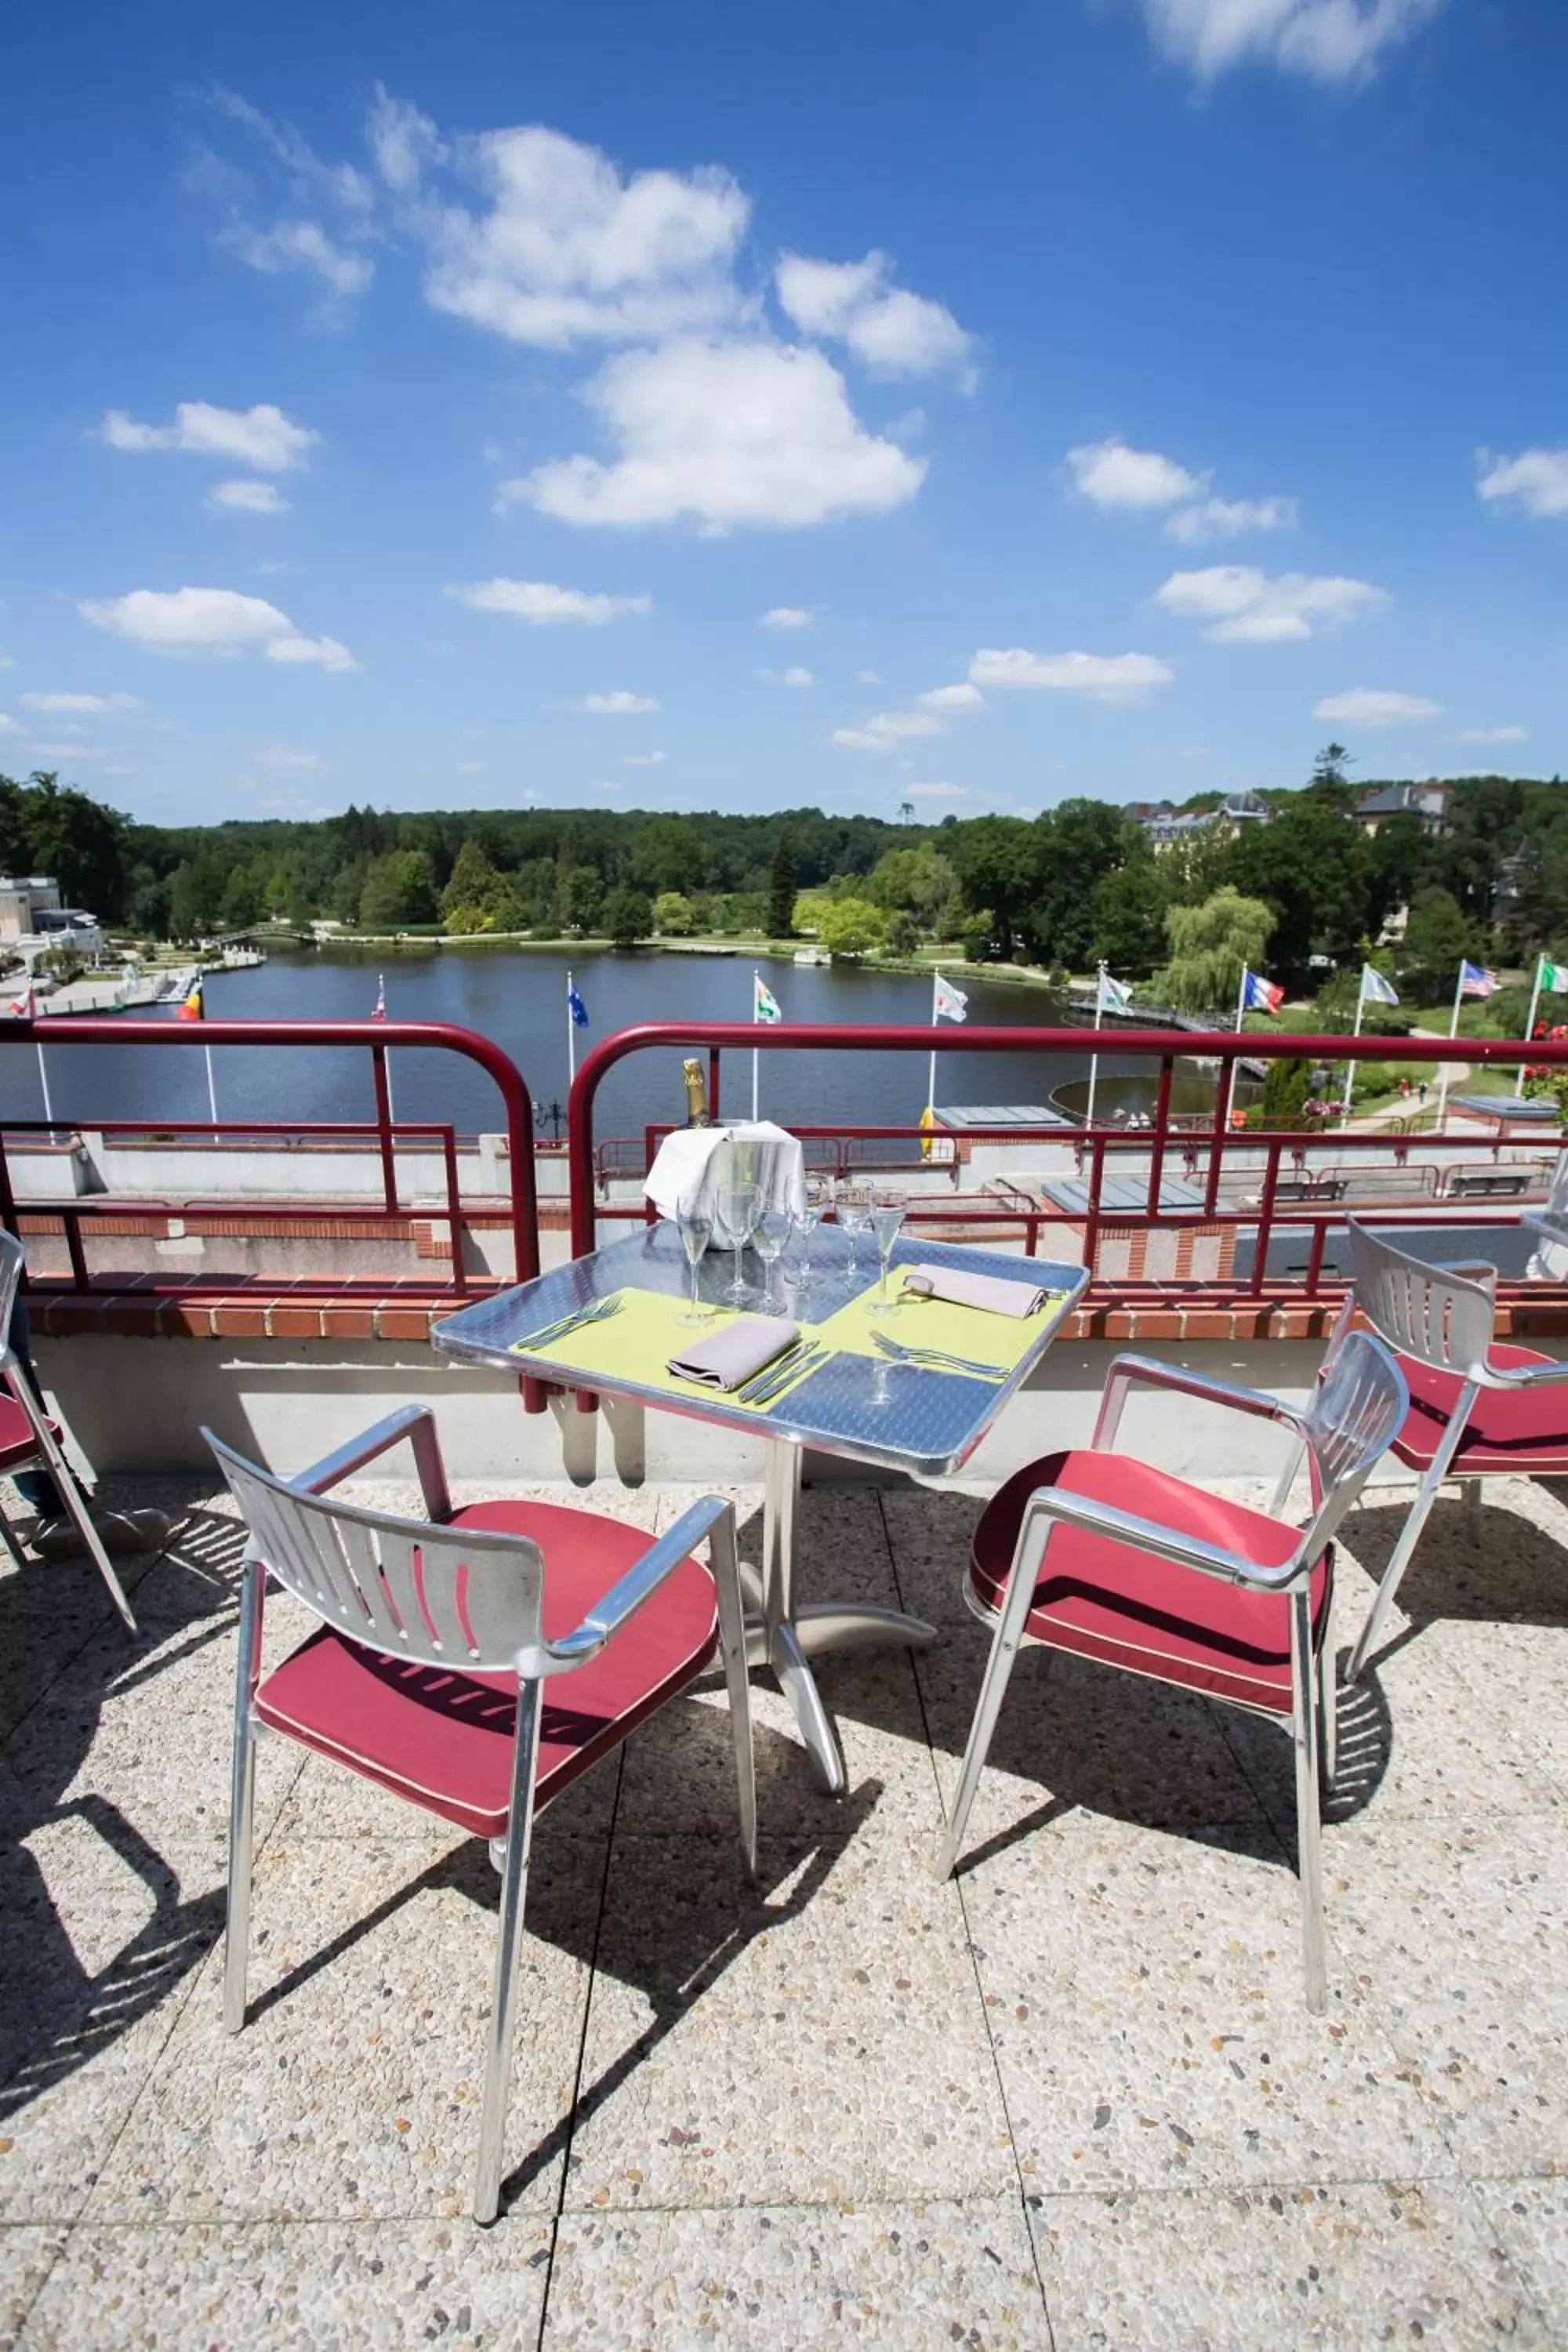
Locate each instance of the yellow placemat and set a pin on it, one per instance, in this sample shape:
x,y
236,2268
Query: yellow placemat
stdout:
x,y
637,1343
1000,1339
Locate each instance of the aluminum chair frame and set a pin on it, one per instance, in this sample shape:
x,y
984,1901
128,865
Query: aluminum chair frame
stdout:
x,y
1444,1316
48,1455
1360,1403
393,1586
1550,1222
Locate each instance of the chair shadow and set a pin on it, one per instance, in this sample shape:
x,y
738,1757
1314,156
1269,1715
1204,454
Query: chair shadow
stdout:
x,y
56,2014
1511,1572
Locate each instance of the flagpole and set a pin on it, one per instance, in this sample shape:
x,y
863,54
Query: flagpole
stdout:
x,y
1241,1002
1534,1009
1453,1033
1094,1059
44,1082
386,1050
757,983
212,1089
931,1082
570,1036
1350,1066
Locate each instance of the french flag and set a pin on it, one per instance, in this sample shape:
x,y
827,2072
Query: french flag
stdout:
x,y
1259,995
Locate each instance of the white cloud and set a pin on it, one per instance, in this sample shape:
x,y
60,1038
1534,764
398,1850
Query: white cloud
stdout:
x,y
612,784
1104,678
1228,517
1326,40
62,702
618,705
729,434
564,250
1538,480
287,755
404,142
8,726
642,760
797,678
68,751
867,677
1490,735
262,436
854,302
300,245
786,616
1112,475
1366,705
6,662
936,792
210,620
539,601
246,497
888,729
1247,606
951,697
303,193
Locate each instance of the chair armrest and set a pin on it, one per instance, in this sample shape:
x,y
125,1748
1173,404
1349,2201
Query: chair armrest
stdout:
x,y
1148,1373
1468,1269
1527,1376
1056,1504
629,1593
414,1422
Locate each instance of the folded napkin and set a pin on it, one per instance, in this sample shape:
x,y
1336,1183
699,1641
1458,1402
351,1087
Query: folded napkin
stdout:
x,y
993,1293
693,1161
729,1357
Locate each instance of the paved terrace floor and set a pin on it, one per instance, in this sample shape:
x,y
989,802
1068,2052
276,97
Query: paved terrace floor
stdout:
x,y
1072,2099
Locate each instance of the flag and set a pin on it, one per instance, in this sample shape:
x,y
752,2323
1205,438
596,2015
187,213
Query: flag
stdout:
x,y
192,1008
26,1007
378,1010
948,1004
1115,996
1374,989
575,1004
1554,977
1259,996
764,1003
1474,980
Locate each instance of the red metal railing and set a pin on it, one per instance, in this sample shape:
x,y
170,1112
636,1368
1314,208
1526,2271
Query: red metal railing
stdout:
x,y
1206,1144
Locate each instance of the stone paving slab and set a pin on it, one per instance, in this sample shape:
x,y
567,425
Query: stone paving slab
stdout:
x,y
1071,2098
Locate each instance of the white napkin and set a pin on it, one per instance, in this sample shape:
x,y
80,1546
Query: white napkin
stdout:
x,y
993,1293
685,1164
729,1357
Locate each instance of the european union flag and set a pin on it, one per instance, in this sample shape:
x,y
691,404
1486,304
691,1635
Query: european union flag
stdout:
x,y
575,1004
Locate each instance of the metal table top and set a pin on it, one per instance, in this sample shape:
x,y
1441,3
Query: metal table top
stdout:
x,y
900,1415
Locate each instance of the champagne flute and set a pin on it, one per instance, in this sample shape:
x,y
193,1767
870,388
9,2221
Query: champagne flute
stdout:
x,y
739,1203
772,1231
694,1218
887,1206
854,1204
816,1201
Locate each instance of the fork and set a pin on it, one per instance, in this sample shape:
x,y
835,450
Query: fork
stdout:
x,y
795,1359
935,1360
599,1312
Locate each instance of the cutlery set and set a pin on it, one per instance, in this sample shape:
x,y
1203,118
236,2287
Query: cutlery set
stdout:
x,y
600,1312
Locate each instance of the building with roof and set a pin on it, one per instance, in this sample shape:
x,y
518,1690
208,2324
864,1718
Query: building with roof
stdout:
x,y
1428,800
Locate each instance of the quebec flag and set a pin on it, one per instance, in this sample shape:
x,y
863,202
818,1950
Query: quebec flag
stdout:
x,y
575,1004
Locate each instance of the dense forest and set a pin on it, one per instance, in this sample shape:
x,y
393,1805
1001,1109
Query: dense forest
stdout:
x,y
1077,884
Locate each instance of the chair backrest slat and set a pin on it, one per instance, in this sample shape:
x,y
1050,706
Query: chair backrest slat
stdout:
x,y
11,1265
1442,1319
1359,1407
440,1595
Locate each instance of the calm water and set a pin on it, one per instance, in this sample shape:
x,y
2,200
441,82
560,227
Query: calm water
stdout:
x,y
521,1002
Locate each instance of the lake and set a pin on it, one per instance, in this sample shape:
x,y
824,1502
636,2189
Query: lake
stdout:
x,y
519,1000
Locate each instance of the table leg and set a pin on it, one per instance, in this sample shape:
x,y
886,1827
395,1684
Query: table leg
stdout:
x,y
787,1638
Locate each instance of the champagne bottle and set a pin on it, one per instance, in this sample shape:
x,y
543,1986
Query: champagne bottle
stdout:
x,y
696,1093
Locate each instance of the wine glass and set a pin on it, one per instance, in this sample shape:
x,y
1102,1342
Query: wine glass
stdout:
x,y
772,1231
694,1218
853,1206
739,1205
817,1200
887,1206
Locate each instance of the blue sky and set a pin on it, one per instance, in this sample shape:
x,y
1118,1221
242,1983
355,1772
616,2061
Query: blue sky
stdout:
x,y
699,408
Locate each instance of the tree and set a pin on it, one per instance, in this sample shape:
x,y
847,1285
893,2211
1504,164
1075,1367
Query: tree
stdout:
x,y
919,882
674,916
1128,912
1328,768
903,938
1076,847
996,858
584,899
847,927
1209,945
781,889
398,888
1438,937
478,894
628,916
243,897
1315,868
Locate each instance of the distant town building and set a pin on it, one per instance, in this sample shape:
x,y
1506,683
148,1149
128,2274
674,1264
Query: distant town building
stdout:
x,y
1165,828
1429,802
23,901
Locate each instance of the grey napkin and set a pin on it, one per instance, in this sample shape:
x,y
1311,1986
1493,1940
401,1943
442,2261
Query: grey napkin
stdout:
x,y
729,1357
993,1293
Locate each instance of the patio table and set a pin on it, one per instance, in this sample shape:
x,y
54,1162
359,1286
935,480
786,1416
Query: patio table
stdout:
x,y
852,1401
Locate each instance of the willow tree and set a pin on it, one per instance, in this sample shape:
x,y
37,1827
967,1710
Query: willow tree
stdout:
x,y
1209,946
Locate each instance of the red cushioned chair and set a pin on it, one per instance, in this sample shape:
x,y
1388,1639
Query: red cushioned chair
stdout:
x,y
428,1675
1099,1554
1477,1410
29,1440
